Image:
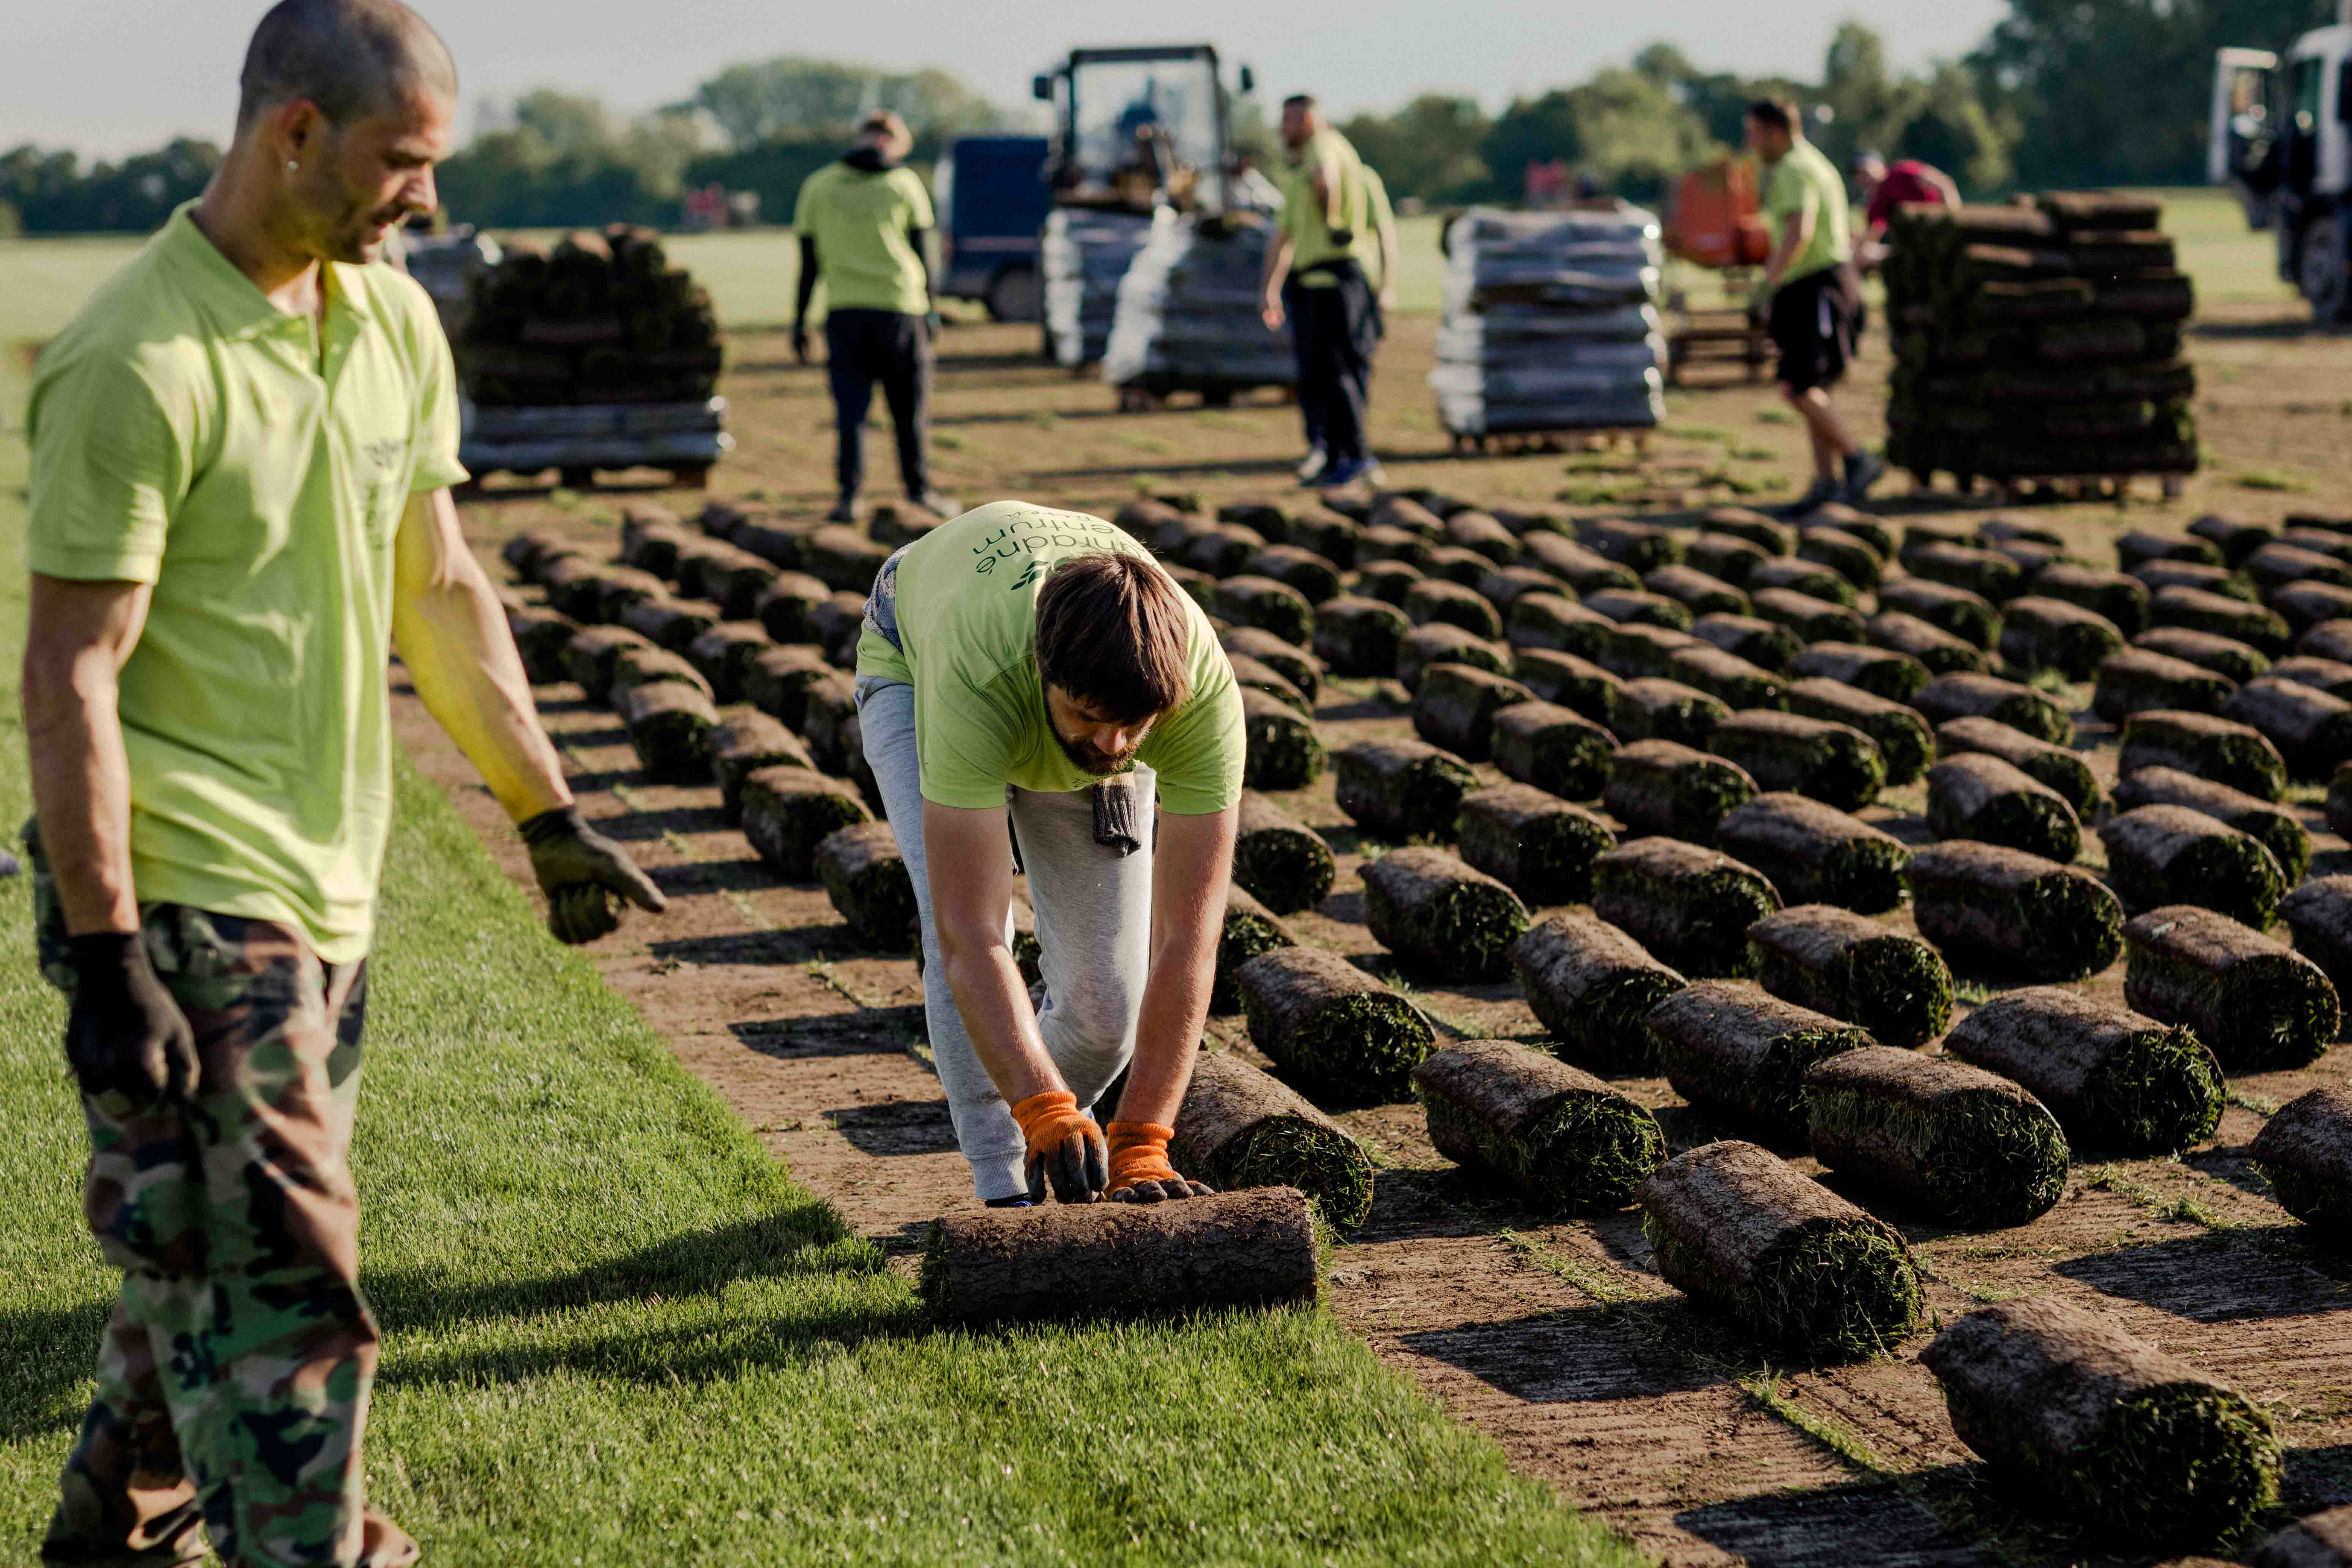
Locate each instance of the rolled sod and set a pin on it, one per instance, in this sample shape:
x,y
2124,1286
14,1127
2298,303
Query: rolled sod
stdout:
x,y
1586,571
1767,645
2319,912
2140,680
1283,750
1977,796
1807,579
591,653
1313,578
868,884
2117,1080
574,585
2004,909
1436,600
1725,557
528,553
2327,639
1654,708
1386,580
2338,806
635,667
1249,929
1904,744
777,681
1474,530
542,637
1380,545
1538,845
1970,1147
744,742
788,811
2120,599
669,726
1283,863
1454,706
2212,748
2111,1433
1318,529
2280,564
1636,546
1566,1140
1636,650
1727,677
1832,762
1745,522
1881,671
1267,605
737,581
724,656
1836,961
1292,662
842,558
1557,622
1937,651
1505,585
1544,744
2322,1540
2330,675
1400,789
1438,643
618,587
1439,915
2257,1005
2199,611
1641,607
2312,729
2303,605
1666,788
1690,906
1969,616
1241,1128
1396,510
2233,539
1815,853
839,625
1985,573
1570,681
1252,675
672,624
2225,656
1851,558
1852,521
2160,855
1360,637
788,605
1697,592
2304,1153
2057,767
829,719
2275,829
1254,1248
2140,546
1330,1027
1950,697
1740,1054
1795,1265
2161,575
2039,633
1591,986
1813,620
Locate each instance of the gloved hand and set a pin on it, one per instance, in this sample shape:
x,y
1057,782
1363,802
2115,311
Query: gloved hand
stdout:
x,y
125,1035
800,344
584,875
1140,1170
1066,1148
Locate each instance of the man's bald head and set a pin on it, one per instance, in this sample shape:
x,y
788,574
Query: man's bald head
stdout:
x,y
350,58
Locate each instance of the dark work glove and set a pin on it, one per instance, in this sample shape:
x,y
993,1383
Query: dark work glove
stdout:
x,y
1066,1149
584,876
800,344
125,1035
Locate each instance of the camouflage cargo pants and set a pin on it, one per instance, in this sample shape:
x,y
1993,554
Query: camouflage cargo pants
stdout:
x,y
233,1378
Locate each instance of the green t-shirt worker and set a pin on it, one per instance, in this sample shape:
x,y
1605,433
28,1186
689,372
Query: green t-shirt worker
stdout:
x,y
1814,309
1331,237
865,222
1040,663
241,456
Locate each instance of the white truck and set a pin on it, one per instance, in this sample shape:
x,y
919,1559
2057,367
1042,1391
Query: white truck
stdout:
x,y
2281,137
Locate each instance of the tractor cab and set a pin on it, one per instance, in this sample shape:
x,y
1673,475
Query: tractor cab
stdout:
x,y
2279,135
1139,127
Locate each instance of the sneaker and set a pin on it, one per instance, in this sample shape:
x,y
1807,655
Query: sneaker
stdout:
x,y
1823,492
1862,470
843,511
1018,1200
1311,467
1341,475
938,505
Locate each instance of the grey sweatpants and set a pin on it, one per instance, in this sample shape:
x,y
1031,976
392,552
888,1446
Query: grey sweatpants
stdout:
x,y
1093,926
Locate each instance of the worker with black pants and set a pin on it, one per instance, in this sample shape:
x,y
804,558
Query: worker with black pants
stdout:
x,y
864,223
1318,281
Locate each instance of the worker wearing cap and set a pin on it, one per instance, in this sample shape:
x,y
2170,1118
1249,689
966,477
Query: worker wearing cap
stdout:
x,y
1813,297
864,223
1319,277
241,455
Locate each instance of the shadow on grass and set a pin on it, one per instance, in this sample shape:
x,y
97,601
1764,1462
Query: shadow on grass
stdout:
x,y
2217,1275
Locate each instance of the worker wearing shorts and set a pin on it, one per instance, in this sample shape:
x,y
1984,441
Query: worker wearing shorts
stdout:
x,y
1038,666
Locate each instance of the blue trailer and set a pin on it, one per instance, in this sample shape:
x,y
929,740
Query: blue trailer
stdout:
x,y
992,202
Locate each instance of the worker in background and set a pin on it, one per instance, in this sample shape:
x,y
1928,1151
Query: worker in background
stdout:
x,y
1812,298
864,223
1887,189
242,451
1319,279
1041,665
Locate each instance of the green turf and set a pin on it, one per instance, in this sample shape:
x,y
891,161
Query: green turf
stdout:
x,y
616,1327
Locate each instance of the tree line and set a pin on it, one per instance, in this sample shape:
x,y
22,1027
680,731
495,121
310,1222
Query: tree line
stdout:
x,y
2061,93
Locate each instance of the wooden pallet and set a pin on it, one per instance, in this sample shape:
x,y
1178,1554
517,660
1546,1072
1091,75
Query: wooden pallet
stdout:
x,y
2051,490
572,477
1567,437
1718,338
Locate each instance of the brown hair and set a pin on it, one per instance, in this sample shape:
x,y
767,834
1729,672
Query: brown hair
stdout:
x,y
1112,633
1774,113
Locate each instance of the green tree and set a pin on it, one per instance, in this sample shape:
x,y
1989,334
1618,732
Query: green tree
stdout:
x,y
1625,128
795,96
1428,149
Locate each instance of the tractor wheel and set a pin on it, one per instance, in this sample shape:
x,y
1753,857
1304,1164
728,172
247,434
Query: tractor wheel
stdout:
x,y
1013,296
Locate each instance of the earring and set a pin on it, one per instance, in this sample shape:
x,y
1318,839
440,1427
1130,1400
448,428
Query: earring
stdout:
x,y
292,167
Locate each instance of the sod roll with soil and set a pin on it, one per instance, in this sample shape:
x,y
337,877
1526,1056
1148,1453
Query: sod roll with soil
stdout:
x,y
1906,745
1441,916
2117,1080
1241,1128
2197,610
2304,1153
2172,855
1812,620
2111,1433
867,883
1330,1027
1881,671
1252,1249
1573,683
788,811
779,681
1562,1137
1360,637
1652,708
1740,1054
1248,929
589,657
1765,644
2057,767
1538,845
2311,728
2140,680
1289,660
1545,744
1591,986
1725,677
1970,1147
1807,579
669,728
2001,909
2120,599
2275,829
1950,697
1400,789
1815,853
1937,651
745,741
1424,647
2320,913
1665,788
1832,762
2256,1003
2210,748
1836,961
1252,674
541,637
2039,633
1455,707
1690,906
1283,750
1796,1266
1434,599
1958,611
2324,1540
1977,795
2225,656
1284,863
1557,623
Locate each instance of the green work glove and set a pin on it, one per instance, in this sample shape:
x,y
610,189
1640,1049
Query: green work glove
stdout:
x,y
584,876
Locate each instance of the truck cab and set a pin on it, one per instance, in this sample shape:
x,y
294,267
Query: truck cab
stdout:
x,y
2281,137
992,198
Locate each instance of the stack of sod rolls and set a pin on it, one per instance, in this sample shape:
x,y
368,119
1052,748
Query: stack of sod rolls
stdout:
x,y
1186,318
598,319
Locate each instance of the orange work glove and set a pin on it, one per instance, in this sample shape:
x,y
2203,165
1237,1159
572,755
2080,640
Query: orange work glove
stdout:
x,y
1140,1170
1066,1148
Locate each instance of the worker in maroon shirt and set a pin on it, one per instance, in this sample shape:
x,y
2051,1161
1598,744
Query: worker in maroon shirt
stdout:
x,y
1887,188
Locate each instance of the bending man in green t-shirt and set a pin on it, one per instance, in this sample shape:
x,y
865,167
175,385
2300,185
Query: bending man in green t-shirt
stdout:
x,y
241,456
1041,664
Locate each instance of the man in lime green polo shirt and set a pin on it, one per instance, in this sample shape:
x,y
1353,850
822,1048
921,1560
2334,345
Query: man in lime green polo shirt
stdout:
x,y
864,223
241,451
1318,278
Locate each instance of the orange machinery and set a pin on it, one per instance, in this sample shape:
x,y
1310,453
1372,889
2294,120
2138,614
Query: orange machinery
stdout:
x,y
1714,220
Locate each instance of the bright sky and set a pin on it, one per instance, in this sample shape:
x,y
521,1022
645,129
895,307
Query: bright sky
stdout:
x,y
115,75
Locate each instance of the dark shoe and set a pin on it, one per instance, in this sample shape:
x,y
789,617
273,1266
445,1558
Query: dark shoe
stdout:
x,y
938,505
1340,475
1018,1200
1862,470
1823,492
843,511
